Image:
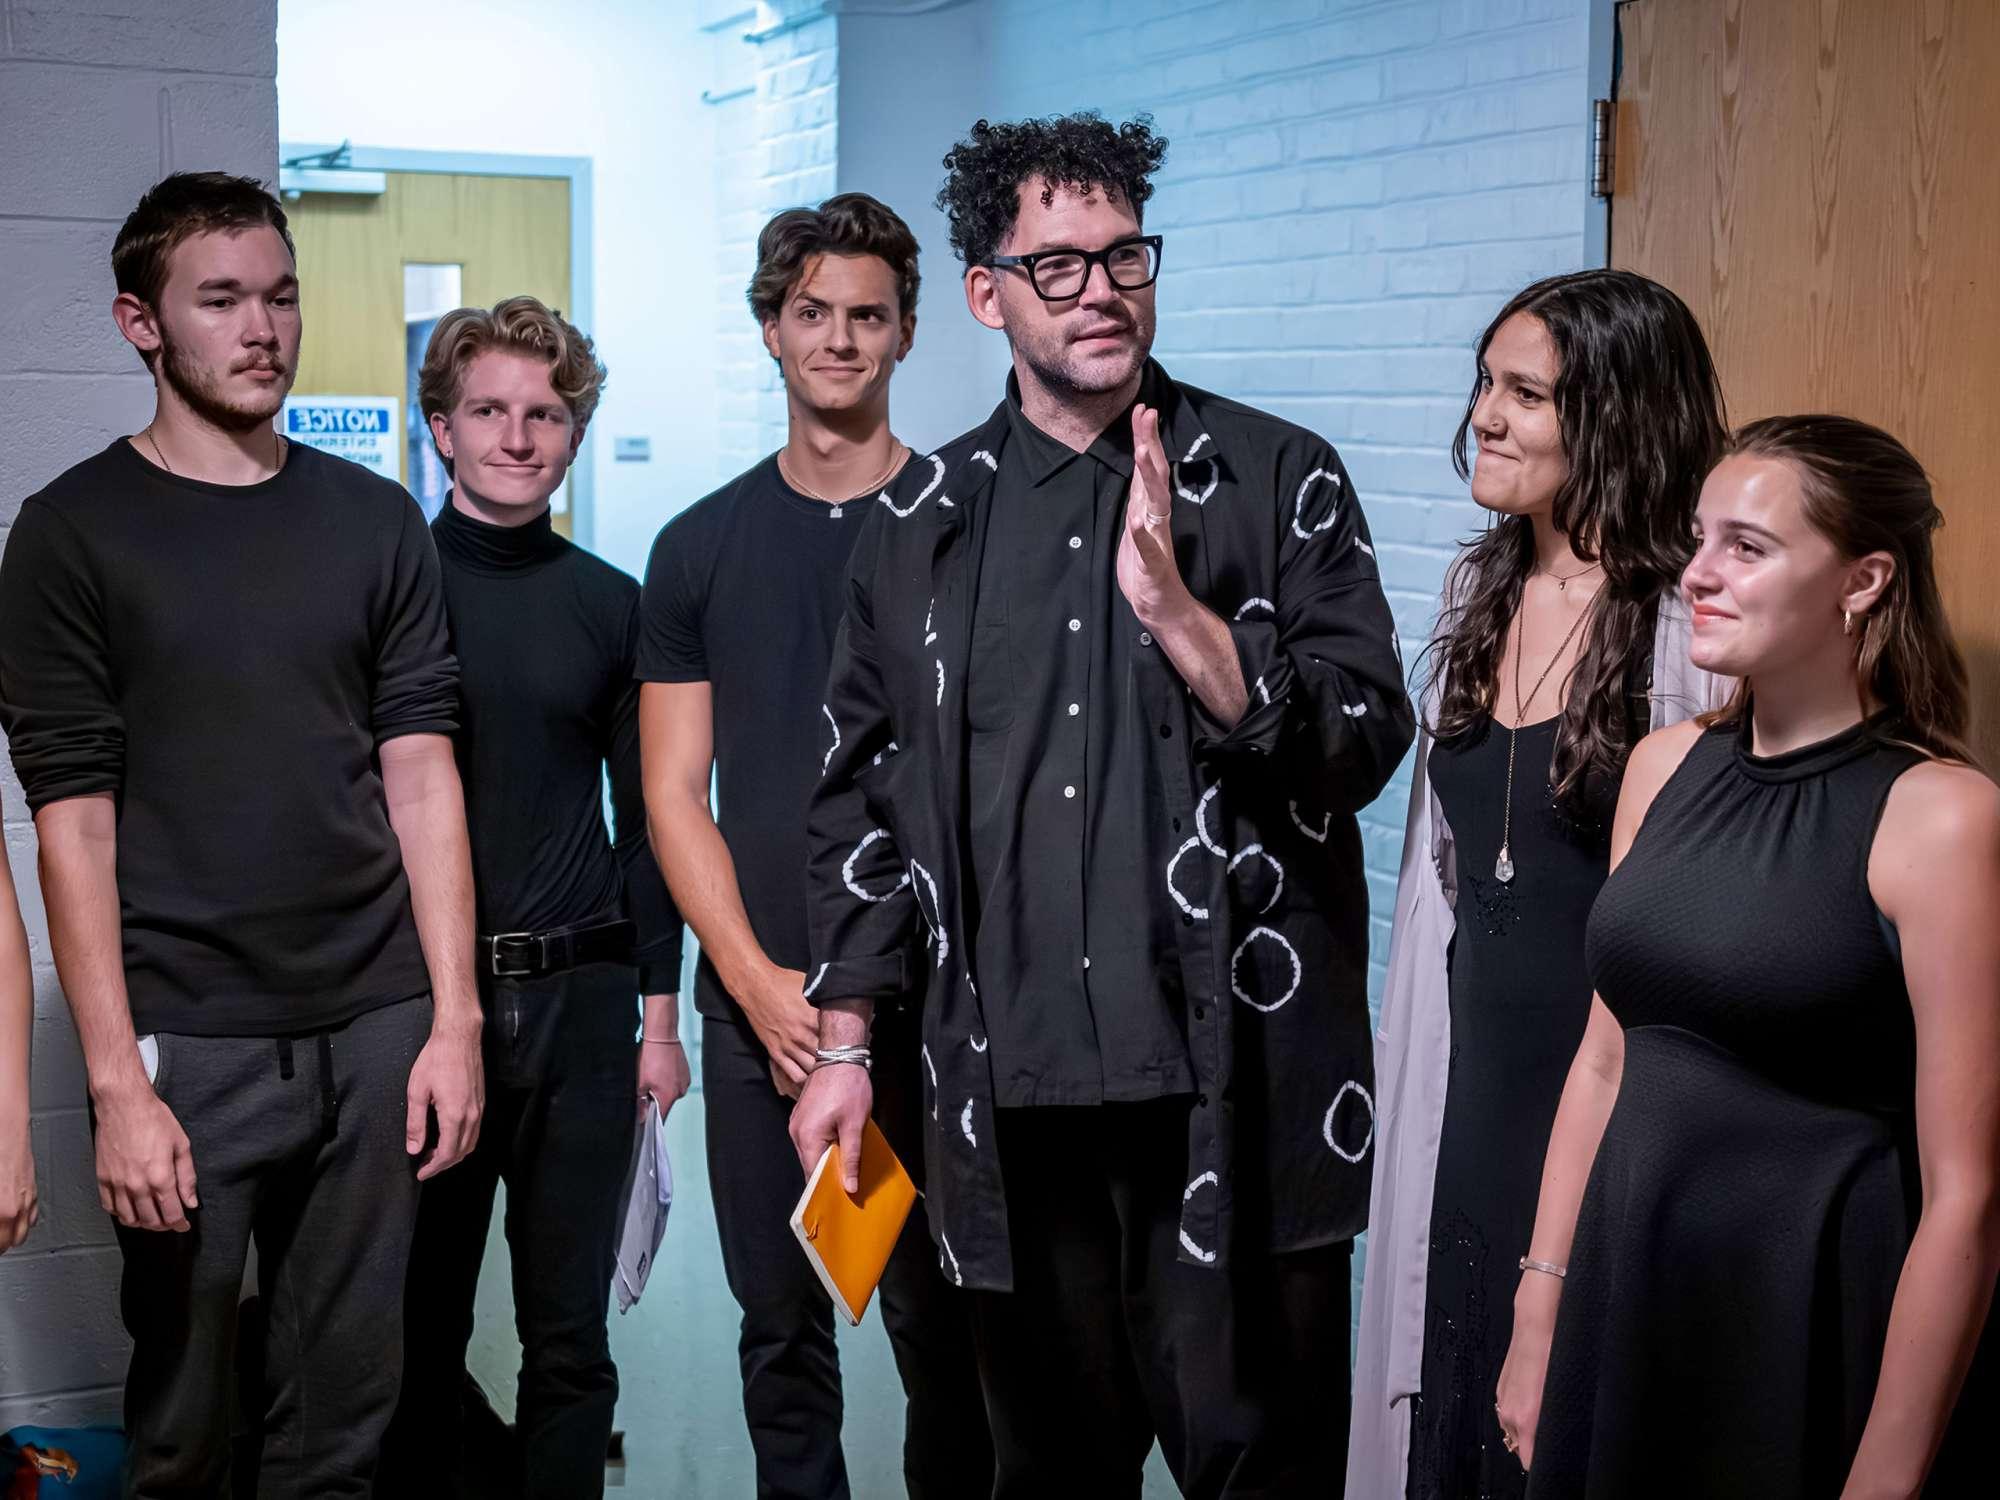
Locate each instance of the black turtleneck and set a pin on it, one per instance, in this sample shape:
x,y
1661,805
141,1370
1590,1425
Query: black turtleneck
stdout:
x,y
545,634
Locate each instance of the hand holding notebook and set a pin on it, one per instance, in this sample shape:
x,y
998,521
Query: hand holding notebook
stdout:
x,y
848,1237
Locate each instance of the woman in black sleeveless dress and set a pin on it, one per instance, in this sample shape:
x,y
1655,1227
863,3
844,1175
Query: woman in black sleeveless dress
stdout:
x,y
1542,681
1780,1266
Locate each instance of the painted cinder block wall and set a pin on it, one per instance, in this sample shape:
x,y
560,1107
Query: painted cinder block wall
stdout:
x,y
98,98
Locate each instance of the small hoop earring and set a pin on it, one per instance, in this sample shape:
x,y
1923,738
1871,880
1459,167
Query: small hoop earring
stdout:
x,y
1847,622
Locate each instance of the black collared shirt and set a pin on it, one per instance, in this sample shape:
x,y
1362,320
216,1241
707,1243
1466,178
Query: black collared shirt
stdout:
x,y
545,636
1083,982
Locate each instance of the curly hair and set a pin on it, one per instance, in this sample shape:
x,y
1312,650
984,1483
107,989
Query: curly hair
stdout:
x,y
984,172
519,325
1641,416
848,224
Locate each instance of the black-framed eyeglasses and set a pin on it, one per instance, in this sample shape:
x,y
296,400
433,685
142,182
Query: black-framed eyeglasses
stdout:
x,y
1058,275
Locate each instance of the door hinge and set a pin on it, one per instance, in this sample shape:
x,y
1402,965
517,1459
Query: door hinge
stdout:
x,y
1602,119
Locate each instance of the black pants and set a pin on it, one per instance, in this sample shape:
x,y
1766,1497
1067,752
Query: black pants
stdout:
x,y
561,1110
298,1144
1108,1341
791,1370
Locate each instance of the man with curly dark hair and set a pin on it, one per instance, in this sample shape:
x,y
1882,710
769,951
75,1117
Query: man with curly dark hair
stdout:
x,y
1100,721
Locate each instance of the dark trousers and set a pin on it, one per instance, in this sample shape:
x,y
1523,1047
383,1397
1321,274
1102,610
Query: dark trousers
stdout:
x,y
561,1110
1108,1341
791,1370
298,1145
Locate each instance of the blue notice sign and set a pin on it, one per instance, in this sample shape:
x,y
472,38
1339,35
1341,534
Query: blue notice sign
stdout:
x,y
362,429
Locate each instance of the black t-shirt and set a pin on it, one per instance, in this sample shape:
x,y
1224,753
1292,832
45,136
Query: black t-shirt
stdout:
x,y
545,635
226,661
744,592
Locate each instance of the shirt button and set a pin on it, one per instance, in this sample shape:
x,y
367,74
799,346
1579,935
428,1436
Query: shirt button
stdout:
x,y
1086,960
1076,624
1200,1014
1145,638
1069,791
1074,710
1075,542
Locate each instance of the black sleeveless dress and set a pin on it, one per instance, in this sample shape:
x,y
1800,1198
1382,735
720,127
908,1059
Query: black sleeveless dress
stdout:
x,y
1748,1213
1520,995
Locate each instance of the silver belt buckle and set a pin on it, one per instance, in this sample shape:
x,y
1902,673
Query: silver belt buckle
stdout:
x,y
528,966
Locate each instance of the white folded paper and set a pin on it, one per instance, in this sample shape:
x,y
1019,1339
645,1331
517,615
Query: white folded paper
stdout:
x,y
649,1194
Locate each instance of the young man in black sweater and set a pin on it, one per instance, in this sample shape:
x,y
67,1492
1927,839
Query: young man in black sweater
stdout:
x,y
573,927
229,697
743,594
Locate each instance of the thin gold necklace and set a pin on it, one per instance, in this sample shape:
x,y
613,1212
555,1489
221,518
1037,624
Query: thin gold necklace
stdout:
x,y
1503,867
277,451
897,453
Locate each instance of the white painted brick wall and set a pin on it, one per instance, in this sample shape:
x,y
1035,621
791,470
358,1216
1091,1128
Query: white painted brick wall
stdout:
x,y
98,98
783,137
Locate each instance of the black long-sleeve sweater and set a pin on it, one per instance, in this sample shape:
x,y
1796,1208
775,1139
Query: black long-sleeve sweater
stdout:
x,y
545,635
226,661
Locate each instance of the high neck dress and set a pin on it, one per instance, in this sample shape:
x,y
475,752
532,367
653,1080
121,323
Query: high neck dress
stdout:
x,y
1756,1189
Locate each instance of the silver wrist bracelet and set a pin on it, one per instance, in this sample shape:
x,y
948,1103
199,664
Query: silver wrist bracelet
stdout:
x,y
852,1054
1545,1267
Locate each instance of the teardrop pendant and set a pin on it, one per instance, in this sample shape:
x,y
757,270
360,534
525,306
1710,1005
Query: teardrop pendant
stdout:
x,y
1503,867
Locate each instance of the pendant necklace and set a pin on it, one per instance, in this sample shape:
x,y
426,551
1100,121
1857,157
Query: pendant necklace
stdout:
x,y
1503,867
898,451
1563,580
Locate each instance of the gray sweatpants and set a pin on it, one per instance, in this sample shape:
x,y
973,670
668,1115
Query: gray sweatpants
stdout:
x,y
298,1144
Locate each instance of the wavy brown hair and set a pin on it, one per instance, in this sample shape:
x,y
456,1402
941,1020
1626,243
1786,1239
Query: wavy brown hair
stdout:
x,y
1641,417
847,224
1865,492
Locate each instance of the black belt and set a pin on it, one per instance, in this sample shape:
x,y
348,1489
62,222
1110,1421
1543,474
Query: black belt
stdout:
x,y
523,955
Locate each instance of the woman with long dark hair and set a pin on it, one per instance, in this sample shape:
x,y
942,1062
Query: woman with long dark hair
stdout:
x,y
1770,1215
1595,413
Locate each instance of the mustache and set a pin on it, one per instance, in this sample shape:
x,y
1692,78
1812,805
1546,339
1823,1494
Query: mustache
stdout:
x,y
258,362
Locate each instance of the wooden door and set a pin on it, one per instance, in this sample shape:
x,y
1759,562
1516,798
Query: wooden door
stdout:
x,y
1820,181
508,235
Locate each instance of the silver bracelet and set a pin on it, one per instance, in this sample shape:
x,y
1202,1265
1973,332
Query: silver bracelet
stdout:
x,y
1545,1267
661,1041
850,1054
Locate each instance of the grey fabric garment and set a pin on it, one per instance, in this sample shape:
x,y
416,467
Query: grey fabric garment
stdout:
x,y
298,1144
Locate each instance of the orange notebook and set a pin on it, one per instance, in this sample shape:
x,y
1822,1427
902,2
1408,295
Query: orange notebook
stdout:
x,y
848,1239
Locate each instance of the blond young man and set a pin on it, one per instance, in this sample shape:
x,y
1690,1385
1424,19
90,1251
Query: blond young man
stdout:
x,y
574,924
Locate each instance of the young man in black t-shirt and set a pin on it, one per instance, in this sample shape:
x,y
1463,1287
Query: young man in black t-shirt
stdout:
x,y
229,697
743,594
573,926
